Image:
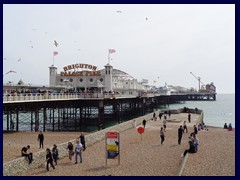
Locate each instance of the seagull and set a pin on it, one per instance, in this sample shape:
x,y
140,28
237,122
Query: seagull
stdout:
x,y
11,71
19,60
79,49
55,43
31,46
119,11
146,18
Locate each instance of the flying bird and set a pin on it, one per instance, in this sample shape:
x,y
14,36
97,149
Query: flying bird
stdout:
x,y
19,60
119,11
55,43
4,58
146,18
79,49
11,71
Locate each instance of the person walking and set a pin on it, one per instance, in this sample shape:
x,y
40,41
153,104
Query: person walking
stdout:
x,y
185,127
55,153
169,114
25,153
160,115
49,159
144,123
82,140
164,124
40,139
195,130
180,132
189,117
162,135
154,116
78,151
70,151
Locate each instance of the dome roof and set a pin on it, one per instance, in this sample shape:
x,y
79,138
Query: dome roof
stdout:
x,y
116,73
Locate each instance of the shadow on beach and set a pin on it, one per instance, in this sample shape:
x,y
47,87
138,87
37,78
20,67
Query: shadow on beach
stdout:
x,y
99,168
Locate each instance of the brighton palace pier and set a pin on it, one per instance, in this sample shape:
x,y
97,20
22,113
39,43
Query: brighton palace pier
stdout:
x,y
82,98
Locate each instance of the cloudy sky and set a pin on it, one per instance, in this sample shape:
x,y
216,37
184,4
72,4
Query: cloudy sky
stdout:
x,y
161,43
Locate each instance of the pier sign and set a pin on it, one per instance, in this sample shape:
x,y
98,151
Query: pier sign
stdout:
x,y
71,70
112,146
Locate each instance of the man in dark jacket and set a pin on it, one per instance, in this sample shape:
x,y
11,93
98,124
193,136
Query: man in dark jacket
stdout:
x,y
82,140
180,132
26,154
40,139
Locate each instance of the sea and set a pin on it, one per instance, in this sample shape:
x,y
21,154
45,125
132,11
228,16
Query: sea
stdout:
x,y
216,113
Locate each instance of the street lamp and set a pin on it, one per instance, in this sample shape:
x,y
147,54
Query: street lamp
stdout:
x,y
65,81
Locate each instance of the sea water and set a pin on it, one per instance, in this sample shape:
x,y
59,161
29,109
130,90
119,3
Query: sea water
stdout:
x,y
216,113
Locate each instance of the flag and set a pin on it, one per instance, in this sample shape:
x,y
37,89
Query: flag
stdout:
x,y
111,50
55,53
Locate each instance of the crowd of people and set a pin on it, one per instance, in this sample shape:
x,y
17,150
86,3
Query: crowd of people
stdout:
x,y
75,150
193,140
52,155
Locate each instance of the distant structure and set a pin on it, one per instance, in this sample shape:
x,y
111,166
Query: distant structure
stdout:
x,y
86,77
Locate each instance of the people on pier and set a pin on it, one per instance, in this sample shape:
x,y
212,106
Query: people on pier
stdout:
x,y
162,135
49,159
82,140
185,127
40,139
225,126
25,152
70,151
78,151
55,153
180,132
144,123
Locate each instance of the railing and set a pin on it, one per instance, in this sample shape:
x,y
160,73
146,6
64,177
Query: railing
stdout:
x,y
53,96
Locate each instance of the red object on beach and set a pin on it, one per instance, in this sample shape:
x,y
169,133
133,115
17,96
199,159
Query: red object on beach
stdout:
x,y
140,130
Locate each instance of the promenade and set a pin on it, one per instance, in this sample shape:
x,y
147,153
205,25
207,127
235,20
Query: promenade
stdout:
x,y
146,157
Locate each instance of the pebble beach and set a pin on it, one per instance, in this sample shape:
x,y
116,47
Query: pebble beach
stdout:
x,y
140,155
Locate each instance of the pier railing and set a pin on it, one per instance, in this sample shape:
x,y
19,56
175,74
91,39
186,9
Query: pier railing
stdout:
x,y
52,96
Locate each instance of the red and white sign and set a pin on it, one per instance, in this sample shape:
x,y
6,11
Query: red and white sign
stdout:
x,y
140,130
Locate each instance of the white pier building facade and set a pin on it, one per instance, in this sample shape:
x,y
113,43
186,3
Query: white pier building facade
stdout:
x,y
81,77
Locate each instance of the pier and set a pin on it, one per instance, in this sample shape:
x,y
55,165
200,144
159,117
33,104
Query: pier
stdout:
x,y
83,111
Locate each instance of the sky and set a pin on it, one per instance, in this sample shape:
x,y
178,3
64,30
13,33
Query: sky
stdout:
x,y
161,42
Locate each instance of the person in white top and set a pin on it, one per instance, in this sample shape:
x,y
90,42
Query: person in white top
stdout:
x,y
78,151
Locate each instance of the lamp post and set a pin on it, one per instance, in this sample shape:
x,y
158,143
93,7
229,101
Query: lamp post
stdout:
x,y
65,81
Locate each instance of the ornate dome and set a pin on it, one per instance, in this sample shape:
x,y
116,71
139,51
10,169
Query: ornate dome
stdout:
x,y
116,73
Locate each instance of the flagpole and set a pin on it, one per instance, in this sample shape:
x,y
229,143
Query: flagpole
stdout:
x,y
53,59
108,57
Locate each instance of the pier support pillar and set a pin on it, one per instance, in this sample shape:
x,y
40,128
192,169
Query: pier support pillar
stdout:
x,y
36,121
100,115
44,119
